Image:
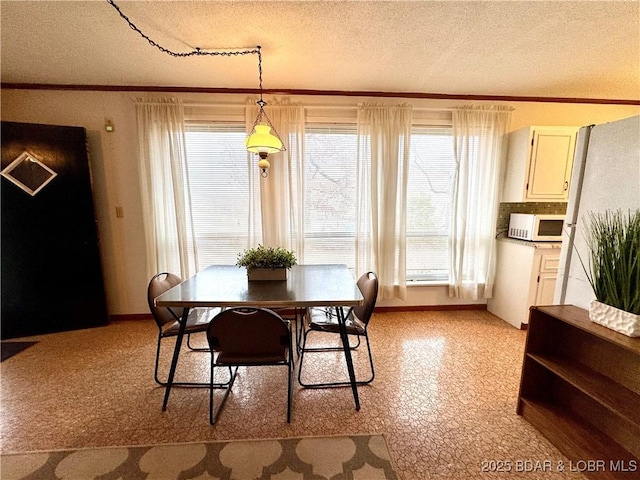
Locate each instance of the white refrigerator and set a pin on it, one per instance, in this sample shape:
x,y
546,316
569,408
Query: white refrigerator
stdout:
x,y
606,176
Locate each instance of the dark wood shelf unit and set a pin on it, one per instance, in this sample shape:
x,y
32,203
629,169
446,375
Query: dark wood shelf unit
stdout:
x,y
580,387
603,390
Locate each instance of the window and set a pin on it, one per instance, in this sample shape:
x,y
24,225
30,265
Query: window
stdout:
x,y
330,201
330,194
218,173
429,193
219,181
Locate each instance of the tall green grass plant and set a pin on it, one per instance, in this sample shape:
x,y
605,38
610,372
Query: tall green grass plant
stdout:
x,y
613,239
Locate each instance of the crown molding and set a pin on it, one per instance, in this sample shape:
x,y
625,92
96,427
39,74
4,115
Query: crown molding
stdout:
x,y
340,93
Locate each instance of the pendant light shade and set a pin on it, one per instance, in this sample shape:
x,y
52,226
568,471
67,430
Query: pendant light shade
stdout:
x,y
262,141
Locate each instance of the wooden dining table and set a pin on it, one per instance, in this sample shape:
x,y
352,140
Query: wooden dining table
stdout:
x,y
227,286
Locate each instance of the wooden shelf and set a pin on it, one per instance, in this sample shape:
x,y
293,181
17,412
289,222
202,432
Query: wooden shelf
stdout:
x,y
580,387
603,390
580,442
579,318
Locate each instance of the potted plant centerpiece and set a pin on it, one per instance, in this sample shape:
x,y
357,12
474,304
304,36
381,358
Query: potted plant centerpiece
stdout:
x,y
613,240
267,263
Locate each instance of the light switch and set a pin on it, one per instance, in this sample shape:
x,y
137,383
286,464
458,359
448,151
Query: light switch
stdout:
x,y
119,212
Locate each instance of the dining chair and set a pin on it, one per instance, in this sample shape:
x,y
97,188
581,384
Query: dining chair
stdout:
x,y
296,316
168,319
325,320
244,337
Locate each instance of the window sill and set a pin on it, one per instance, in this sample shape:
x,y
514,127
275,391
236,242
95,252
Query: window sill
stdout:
x,y
427,283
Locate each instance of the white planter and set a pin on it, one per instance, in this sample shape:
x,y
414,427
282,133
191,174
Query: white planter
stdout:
x,y
262,274
615,319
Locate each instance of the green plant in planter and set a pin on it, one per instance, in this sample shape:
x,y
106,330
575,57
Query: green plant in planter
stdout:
x,y
266,257
613,239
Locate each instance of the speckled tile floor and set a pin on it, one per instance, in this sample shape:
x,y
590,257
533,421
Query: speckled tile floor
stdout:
x,y
445,396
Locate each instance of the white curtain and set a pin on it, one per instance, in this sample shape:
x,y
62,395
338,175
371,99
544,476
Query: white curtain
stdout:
x,y
164,176
384,133
281,200
479,136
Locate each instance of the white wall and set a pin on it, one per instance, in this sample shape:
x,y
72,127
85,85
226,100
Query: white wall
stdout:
x,y
113,158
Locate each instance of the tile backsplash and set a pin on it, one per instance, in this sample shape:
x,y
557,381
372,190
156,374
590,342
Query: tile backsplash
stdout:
x,y
507,209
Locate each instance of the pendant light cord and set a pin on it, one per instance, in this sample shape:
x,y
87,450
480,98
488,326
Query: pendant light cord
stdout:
x,y
262,116
261,102
196,51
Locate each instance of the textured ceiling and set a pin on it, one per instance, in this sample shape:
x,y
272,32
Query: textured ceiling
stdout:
x,y
582,49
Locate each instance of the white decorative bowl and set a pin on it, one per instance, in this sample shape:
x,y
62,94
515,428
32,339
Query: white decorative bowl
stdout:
x,y
615,319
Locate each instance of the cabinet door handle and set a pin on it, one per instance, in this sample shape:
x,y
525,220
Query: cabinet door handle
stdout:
x,y
566,186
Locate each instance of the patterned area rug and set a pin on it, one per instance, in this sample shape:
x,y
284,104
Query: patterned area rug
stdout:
x,y
361,457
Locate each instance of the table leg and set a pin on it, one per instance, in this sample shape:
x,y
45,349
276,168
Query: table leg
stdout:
x,y
347,355
176,354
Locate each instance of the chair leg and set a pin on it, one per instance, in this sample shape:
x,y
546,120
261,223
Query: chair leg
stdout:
x,y
304,348
332,384
301,351
289,391
335,349
195,349
321,349
290,369
155,372
373,373
215,413
176,384
300,330
211,379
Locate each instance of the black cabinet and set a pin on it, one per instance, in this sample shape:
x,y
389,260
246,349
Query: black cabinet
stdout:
x,y
51,272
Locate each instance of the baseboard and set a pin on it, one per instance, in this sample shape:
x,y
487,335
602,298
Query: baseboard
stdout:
x,y
130,316
421,308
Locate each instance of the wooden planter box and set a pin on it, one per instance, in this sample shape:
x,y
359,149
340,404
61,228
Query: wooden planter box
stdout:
x,y
262,274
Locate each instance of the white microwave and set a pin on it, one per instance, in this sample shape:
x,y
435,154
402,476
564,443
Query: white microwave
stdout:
x,y
536,227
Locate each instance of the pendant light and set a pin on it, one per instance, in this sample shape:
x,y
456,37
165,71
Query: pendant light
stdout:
x,y
263,139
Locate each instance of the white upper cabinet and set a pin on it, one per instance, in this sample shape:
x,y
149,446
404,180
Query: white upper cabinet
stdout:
x,y
538,167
